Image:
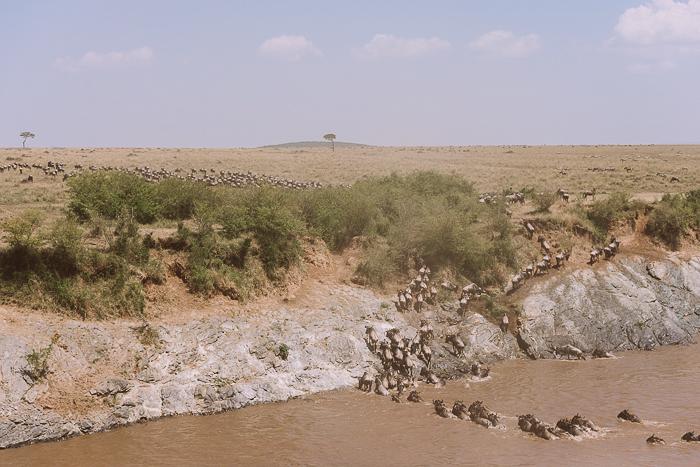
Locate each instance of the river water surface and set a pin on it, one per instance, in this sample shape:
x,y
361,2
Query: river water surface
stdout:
x,y
352,428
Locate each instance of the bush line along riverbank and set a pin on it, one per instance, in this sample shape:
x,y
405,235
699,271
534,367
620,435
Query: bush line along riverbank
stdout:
x,y
243,241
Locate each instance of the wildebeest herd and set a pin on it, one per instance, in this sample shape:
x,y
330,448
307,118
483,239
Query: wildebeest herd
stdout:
x,y
210,177
400,355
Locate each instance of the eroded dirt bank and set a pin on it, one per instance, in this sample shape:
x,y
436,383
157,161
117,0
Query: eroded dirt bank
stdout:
x,y
101,375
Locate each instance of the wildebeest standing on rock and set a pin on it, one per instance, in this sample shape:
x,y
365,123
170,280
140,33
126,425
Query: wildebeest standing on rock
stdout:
x,y
457,344
379,387
504,324
366,382
372,337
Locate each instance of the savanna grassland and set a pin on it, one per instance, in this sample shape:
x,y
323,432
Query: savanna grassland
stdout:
x,y
490,168
99,244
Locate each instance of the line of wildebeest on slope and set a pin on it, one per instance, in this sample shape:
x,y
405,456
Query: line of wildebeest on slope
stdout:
x,y
210,177
537,268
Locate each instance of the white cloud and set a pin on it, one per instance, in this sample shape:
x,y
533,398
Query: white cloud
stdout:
x,y
288,48
650,68
660,22
505,44
106,61
386,45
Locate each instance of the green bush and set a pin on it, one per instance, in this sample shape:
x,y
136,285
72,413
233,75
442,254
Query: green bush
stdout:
x,y
109,194
544,200
275,228
378,265
618,206
21,230
671,218
178,199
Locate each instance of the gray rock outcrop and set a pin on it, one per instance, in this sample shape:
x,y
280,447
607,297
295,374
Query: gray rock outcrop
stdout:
x,y
228,362
630,304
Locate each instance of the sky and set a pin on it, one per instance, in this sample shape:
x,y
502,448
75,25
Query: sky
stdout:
x,y
390,73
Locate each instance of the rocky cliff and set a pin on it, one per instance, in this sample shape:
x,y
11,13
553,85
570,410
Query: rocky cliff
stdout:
x,y
629,304
103,375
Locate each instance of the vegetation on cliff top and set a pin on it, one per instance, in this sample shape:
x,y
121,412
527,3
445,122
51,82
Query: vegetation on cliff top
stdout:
x,y
235,240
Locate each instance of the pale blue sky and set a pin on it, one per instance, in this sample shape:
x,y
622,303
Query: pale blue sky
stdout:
x,y
246,74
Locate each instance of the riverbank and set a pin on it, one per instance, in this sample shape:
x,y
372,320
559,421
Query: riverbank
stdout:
x,y
105,375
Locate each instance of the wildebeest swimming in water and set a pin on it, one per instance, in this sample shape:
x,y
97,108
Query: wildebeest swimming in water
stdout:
x,y
530,424
442,410
653,439
630,417
597,353
414,396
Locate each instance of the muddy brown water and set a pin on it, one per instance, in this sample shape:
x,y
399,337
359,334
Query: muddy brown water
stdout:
x,y
351,428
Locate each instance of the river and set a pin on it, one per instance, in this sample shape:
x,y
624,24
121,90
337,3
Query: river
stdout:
x,y
352,428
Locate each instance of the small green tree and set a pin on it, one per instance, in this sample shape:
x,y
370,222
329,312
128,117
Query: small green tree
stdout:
x,y
330,137
20,230
25,135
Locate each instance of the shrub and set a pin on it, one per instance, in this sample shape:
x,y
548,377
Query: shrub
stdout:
x,y
21,229
235,220
275,229
616,207
38,361
109,194
544,200
178,199
670,219
378,265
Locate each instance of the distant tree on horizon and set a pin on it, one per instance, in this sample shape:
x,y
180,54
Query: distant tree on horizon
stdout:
x,y
25,135
330,137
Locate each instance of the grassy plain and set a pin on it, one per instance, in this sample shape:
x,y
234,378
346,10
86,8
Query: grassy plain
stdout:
x,y
490,168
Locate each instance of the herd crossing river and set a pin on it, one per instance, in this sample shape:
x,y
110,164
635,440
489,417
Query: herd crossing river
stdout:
x,y
353,428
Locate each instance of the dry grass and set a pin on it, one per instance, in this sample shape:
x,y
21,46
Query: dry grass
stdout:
x,y
491,168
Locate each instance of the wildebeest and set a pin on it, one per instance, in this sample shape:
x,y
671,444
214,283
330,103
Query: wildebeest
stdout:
x,y
504,324
590,193
372,337
366,382
472,290
630,417
529,228
569,351
379,387
441,409
414,396
597,353
457,344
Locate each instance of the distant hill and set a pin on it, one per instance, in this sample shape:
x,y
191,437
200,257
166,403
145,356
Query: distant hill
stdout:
x,y
316,144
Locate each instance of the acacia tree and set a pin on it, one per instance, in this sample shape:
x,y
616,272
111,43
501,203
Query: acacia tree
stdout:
x,y
330,137
25,135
